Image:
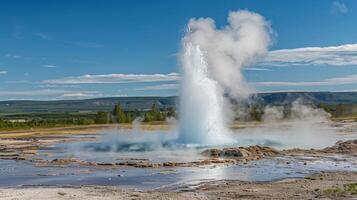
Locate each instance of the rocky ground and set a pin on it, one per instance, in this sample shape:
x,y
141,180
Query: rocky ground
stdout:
x,y
338,185
333,185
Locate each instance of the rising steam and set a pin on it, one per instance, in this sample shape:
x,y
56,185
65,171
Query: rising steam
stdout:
x,y
304,127
212,60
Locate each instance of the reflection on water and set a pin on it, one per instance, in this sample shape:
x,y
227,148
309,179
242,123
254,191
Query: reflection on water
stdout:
x,y
14,173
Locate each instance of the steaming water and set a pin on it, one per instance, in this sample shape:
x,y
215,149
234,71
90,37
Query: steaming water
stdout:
x,y
113,146
161,145
201,101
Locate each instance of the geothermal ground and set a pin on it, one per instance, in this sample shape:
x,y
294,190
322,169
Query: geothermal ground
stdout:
x,y
142,162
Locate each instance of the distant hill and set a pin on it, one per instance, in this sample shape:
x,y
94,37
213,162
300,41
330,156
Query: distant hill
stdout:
x,y
86,105
144,103
281,98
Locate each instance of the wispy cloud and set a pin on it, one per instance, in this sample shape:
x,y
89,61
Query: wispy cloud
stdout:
x,y
43,36
49,66
172,86
256,69
17,35
49,94
9,55
115,78
3,72
342,55
338,8
82,94
345,80
18,81
84,44
332,55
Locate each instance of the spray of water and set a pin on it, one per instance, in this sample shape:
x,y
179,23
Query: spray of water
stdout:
x,y
201,115
212,60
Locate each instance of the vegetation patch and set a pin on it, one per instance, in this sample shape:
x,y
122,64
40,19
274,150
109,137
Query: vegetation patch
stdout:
x,y
346,190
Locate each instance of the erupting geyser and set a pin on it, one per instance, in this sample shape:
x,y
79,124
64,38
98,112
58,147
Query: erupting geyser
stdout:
x,y
202,117
211,61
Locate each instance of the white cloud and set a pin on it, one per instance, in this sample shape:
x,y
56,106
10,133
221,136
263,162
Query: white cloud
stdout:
x,y
18,81
9,55
115,78
48,94
50,86
341,55
81,94
277,83
172,86
3,72
85,44
346,80
50,66
338,7
256,69
43,36
331,55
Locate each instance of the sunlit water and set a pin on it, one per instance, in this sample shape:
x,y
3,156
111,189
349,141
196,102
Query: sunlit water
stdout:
x,y
13,173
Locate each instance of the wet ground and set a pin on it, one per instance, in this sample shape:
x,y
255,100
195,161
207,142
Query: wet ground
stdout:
x,y
133,145
22,173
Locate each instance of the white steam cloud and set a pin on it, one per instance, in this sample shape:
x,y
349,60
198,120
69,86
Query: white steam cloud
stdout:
x,y
304,127
228,50
212,60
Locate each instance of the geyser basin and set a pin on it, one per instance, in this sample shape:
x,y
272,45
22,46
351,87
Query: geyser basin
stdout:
x,y
104,148
163,146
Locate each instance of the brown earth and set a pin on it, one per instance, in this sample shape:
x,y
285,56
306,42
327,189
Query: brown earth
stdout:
x,y
341,147
318,186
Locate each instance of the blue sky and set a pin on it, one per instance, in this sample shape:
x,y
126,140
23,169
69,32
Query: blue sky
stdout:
x,y
85,49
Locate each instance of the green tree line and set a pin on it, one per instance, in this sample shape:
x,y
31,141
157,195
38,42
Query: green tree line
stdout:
x,y
119,115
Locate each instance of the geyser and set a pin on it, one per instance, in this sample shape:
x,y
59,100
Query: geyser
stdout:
x,y
201,115
211,61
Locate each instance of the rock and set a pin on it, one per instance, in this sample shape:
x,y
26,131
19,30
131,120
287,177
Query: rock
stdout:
x,y
169,164
230,152
62,161
61,193
143,164
105,164
253,152
212,152
245,153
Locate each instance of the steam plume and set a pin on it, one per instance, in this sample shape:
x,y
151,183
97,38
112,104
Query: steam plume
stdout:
x,y
212,60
